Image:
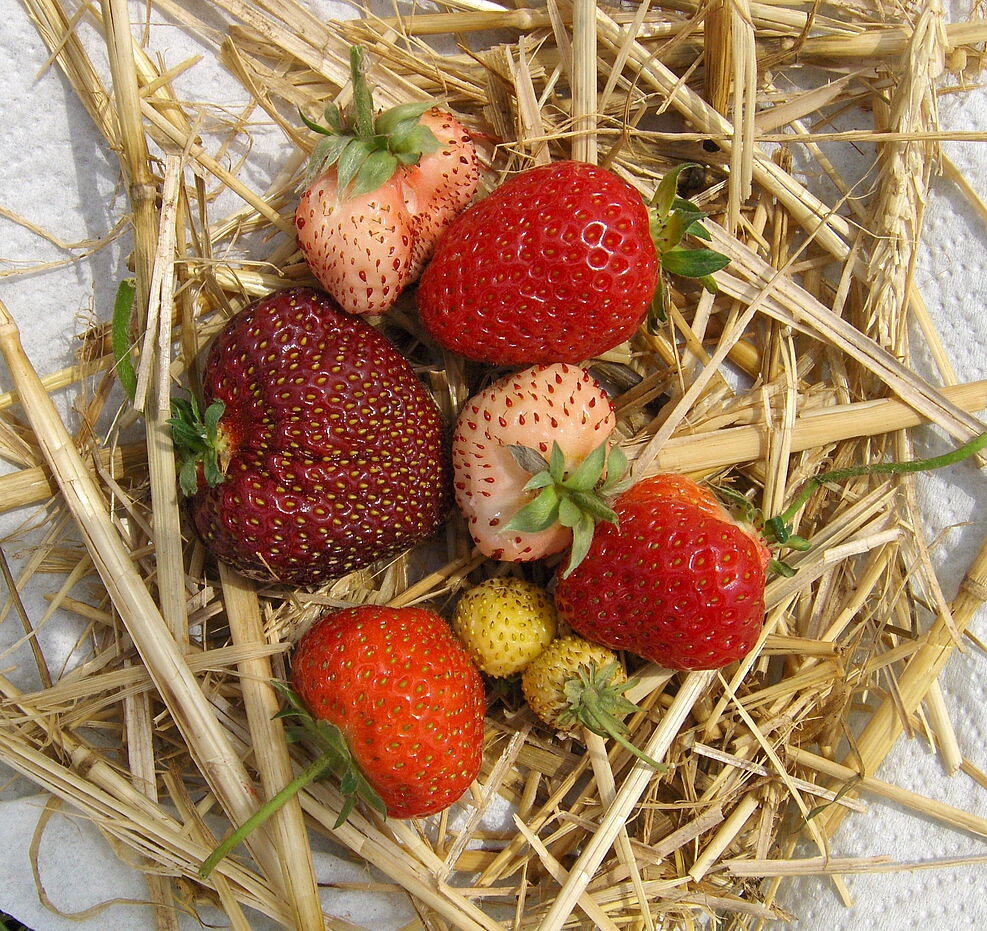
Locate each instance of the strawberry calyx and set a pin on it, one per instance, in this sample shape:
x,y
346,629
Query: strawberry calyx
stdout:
x,y
672,218
576,499
365,148
334,758
199,443
597,703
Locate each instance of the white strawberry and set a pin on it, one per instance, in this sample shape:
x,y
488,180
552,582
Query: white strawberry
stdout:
x,y
380,189
531,463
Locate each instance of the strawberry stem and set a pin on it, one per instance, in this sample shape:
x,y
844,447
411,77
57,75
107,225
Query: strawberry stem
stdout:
x,y
778,529
363,100
312,772
335,758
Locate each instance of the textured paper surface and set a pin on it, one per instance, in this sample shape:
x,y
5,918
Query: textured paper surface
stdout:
x,y
55,172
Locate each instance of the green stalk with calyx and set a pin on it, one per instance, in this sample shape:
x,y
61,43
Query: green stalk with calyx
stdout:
x,y
779,529
597,703
366,148
334,759
576,499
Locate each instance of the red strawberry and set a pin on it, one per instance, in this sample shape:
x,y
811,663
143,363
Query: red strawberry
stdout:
x,y
517,451
328,452
557,264
406,697
381,191
676,581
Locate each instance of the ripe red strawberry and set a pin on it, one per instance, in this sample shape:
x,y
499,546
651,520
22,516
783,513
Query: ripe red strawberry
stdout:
x,y
557,264
406,697
380,191
519,505
676,581
328,452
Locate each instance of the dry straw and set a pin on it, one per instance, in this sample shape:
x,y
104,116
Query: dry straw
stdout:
x,y
799,364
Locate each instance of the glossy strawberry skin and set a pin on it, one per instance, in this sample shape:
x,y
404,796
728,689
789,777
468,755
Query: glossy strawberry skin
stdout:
x,y
677,581
406,697
530,408
556,265
336,456
366,249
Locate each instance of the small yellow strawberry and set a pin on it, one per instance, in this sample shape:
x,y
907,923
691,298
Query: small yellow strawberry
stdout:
x,y
575,683
505,623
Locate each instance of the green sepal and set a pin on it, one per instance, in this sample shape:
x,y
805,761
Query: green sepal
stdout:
x,y
667,191
351,160
197,440
667,232
365,149
377,169
389,120
693,263
576,500
597,703
334,758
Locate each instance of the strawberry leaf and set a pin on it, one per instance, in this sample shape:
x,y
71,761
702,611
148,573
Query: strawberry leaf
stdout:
x,y
667,191
315,127
325,154
669,231
197,441
695,228
693,263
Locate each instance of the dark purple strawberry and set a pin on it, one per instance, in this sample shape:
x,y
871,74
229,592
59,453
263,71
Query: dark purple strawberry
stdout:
x,y
320,451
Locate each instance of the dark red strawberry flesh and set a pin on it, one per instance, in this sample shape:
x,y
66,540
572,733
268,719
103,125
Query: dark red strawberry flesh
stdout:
x,y
335,453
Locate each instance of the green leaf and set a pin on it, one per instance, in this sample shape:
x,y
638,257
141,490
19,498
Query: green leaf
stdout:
x,y
681,205
350,161
419,141
616,467
569,513
325,154
377,169
123,307
709,283
594,506
537,515
389,120
693,263
590,470
538,480
556,462
696,228
211,418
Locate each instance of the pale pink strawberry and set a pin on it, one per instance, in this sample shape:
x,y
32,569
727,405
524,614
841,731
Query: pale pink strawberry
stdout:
x,y
546,406
380,191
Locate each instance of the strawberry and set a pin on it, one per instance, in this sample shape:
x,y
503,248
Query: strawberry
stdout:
x,y
321,451
519,505
676,580
557,264
379,191
406,698
505,624
394,706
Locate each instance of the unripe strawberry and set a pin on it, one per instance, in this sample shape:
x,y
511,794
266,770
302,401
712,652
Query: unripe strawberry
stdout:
x,y
505,624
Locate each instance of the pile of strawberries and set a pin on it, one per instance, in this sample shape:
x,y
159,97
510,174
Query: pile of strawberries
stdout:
x,y
320,451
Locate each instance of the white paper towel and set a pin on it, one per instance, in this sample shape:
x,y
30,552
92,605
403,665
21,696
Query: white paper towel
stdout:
x,y
57,174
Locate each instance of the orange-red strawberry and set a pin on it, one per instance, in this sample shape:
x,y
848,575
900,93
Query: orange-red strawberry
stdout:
x,y
380,190
529,458
676,580
557,264
321,450
406,697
